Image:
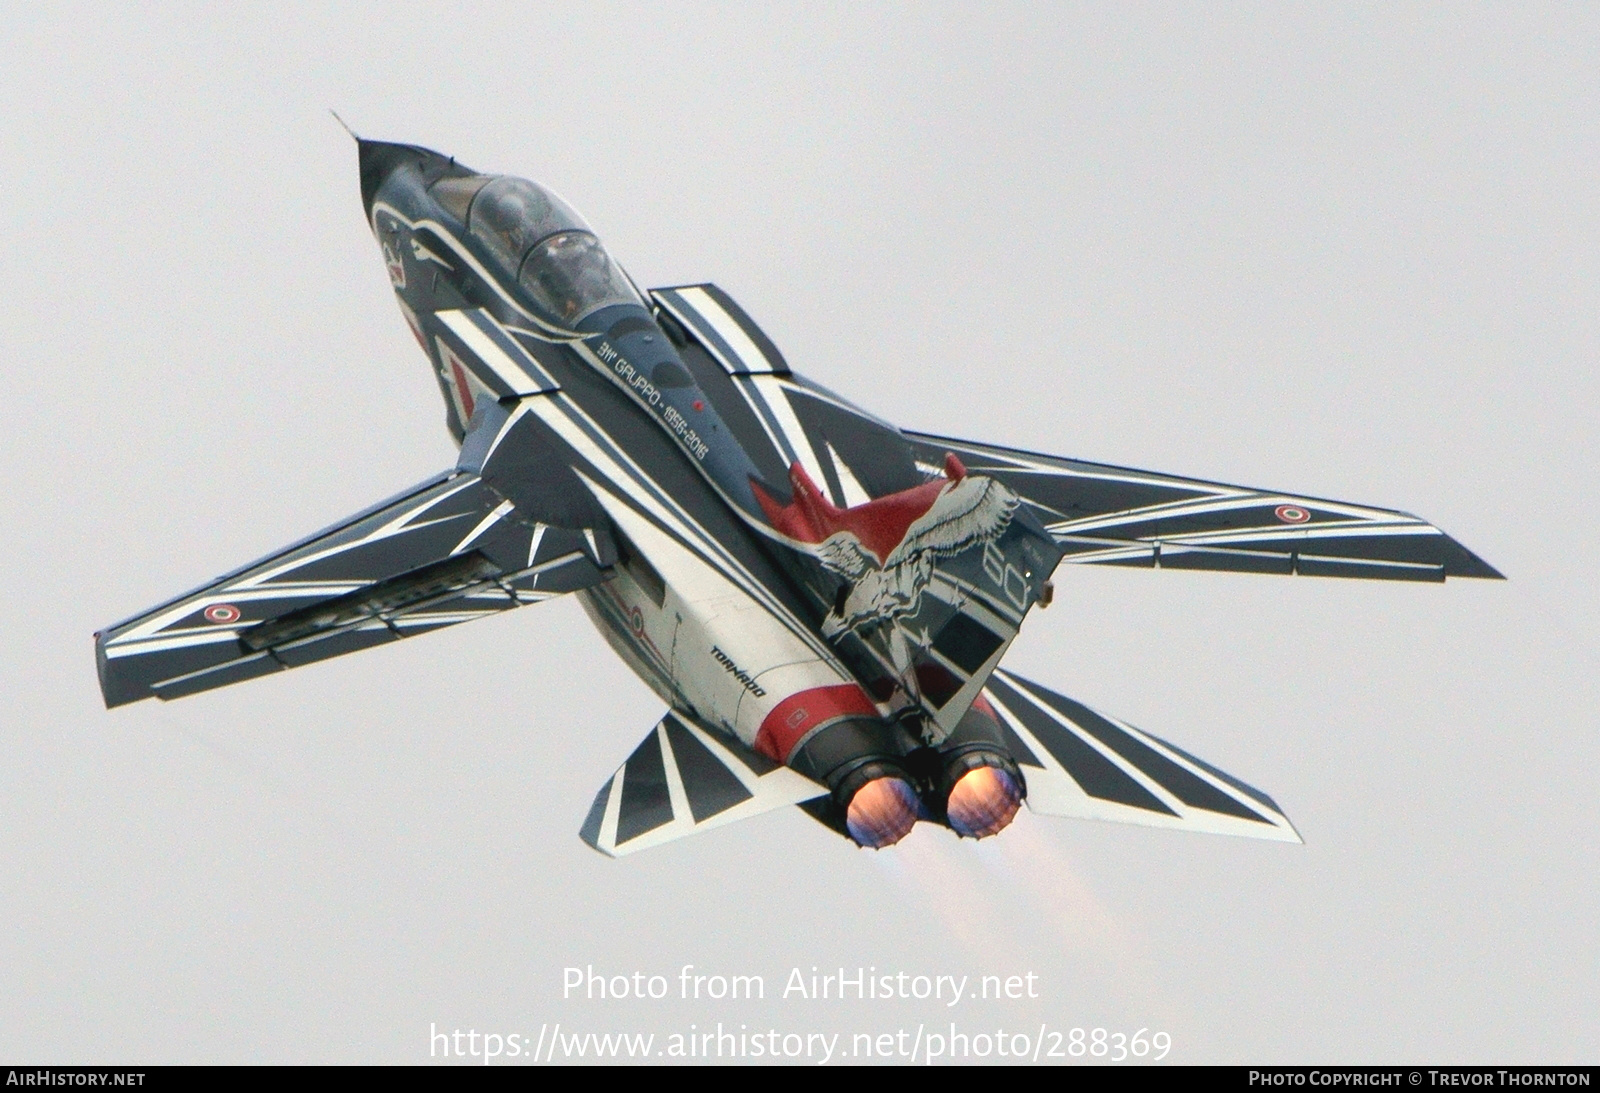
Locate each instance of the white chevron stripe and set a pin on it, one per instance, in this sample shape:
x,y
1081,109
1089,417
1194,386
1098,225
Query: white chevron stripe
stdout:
x,y
185,639
753,399
1376,563
608,822
853,492
1156,789
533,544
1231,503
696,324
1067,798
771,389
676,793
513,378
1141,554
614,463
777,788
259,581
397,526
1291,535
484,525
750,357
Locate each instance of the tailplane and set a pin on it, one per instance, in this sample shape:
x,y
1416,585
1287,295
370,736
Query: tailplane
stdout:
x,y
1081,763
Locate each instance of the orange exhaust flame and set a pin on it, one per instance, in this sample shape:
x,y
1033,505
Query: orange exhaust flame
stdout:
x,y
882,812
983,802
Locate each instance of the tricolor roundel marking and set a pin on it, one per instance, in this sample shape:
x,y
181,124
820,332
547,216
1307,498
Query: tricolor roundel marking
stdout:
x,y
396,266
221,613
1292,514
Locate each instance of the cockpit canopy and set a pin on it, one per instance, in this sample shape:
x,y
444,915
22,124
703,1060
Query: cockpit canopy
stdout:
x,y
534,234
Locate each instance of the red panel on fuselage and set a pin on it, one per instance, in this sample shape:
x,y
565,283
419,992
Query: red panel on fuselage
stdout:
x,y
798,715
880,524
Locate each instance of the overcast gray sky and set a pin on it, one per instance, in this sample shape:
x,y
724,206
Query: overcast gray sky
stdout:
x,y
1348,251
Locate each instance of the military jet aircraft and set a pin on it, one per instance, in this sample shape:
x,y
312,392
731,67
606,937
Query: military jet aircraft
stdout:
x,y
821,599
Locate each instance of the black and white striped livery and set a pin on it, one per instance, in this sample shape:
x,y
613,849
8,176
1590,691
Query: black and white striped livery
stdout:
x,y
684,778
821,600
445,552
1084,764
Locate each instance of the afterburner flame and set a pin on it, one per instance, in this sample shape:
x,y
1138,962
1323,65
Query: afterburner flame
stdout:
x,y
882,812
983,802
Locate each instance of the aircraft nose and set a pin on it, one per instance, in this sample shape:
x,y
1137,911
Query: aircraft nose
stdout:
x,y
379,159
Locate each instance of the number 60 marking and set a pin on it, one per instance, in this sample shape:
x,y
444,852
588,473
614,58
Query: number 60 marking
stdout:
x,y
1007,577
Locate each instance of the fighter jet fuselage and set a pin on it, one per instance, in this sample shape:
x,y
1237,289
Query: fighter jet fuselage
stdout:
x,y
842,705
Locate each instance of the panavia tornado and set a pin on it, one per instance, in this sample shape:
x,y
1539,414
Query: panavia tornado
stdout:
x,y
820,598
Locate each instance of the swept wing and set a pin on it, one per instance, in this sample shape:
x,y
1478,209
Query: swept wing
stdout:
x,y
505,528
1105,515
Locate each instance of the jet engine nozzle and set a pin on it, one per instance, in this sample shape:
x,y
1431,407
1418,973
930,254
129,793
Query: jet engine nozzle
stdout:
x,y
985,793
883,807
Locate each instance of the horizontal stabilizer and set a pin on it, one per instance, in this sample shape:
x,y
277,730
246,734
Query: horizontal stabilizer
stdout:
x,y
683,779
1080,763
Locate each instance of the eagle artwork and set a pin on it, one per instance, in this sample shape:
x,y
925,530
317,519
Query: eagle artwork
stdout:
x,y
821,599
